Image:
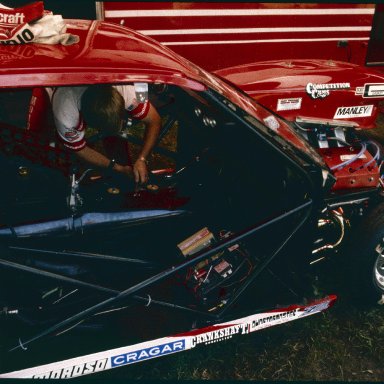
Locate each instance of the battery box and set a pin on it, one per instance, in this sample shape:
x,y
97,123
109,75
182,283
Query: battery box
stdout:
x,y
212,281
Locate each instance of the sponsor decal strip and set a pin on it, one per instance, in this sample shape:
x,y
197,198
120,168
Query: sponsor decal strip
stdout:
x,y
371,90
101,361
235,12
355,111
317,91
289,104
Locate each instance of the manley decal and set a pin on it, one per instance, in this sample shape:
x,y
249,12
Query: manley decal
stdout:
x,y
355,111
319,91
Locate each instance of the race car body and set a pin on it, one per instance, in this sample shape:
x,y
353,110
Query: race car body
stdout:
x,y
241,202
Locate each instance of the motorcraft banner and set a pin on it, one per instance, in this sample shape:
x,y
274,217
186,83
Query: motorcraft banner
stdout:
x,y
32,24
118,357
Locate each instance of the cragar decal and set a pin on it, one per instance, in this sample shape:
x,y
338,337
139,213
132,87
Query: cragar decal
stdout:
x,y
102,361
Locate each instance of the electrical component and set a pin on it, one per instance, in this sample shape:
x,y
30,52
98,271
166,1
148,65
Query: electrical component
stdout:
x,y
213,280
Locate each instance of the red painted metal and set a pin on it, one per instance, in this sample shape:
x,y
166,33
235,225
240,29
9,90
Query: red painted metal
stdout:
x,y
106,53
109,53
362,173
272,81
221,34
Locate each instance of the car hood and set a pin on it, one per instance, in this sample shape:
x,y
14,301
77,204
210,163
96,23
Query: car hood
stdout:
x,y
287,87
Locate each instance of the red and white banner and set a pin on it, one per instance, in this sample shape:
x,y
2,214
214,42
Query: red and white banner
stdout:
x,y
118,357
32,24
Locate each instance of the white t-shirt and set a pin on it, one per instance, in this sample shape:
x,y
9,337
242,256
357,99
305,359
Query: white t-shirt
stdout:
x,y
66,106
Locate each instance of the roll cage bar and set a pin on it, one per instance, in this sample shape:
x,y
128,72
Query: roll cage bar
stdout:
x,y
131,292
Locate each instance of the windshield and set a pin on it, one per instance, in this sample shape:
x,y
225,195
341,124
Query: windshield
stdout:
x,y
264,120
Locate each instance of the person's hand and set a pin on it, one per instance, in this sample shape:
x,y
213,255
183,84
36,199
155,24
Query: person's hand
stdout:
x,y
125,169
140,171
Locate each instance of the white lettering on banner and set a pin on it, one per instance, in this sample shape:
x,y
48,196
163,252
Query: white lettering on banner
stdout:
x,y
220,334
317,91
17,18
74,370
289,104
147,353
112,358
355,111
276,318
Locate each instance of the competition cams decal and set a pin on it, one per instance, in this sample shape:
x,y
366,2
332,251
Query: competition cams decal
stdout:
x,y
289,104
102,361
355,111
371,90
319,91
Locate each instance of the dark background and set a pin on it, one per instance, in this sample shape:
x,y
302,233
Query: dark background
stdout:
x,y
79,9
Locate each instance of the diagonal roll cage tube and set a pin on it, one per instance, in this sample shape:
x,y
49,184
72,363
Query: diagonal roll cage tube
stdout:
x,y
162,275
264,264
84,284
95,256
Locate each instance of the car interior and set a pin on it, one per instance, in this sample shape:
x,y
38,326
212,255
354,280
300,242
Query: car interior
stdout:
x,y
214,183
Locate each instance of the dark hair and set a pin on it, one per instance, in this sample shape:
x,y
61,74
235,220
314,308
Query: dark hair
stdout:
x,y
103,107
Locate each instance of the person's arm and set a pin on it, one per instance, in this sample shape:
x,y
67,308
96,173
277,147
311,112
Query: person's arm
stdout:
x,y
98,160
152,129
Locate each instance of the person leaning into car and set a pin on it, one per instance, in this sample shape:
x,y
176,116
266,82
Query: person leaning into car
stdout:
x,y
104,108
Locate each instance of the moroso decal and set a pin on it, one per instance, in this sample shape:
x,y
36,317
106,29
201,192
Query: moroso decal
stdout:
x,y
74,370
289,104
319,91
101,361
371,90
147,353
355,111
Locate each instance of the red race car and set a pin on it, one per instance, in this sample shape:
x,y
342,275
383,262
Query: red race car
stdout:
x,y
257,175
